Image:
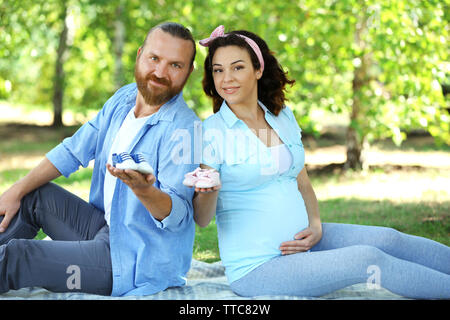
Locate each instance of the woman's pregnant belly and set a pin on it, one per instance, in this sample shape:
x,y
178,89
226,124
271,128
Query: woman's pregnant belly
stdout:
x,y
253,224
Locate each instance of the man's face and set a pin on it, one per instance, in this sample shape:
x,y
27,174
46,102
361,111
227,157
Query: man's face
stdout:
x,y
163,66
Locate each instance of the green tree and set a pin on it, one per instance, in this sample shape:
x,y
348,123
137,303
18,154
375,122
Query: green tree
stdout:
x,y
59,76
380,62
35,39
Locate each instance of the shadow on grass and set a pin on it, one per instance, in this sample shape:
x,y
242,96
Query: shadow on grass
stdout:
x,y
24,138
10,176
338,168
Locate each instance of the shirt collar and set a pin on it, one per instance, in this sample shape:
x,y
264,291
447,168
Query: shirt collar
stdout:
x,y
165,113
230,118
264,107
168,110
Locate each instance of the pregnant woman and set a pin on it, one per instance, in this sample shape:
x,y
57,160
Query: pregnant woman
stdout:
x,y
271,238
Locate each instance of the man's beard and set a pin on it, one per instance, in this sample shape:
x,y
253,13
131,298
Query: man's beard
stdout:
x,y
155,96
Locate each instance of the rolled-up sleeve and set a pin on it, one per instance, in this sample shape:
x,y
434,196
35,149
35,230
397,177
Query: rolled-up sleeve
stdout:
x,y
181,209
76,150
79,149
174,161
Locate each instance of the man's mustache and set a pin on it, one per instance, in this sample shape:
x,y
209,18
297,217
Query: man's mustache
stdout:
x,y
162,81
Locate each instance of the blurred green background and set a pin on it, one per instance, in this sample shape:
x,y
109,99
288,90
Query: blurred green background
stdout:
x,y
382,65
372,88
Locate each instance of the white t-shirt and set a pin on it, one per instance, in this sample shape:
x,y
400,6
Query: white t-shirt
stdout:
x,y
283,156
130,127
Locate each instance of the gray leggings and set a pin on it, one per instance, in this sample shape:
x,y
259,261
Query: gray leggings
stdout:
x,y
77,259
407,265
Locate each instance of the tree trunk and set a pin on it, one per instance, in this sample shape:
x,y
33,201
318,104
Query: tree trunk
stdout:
x,y
118,43
58,80
355,132
354,143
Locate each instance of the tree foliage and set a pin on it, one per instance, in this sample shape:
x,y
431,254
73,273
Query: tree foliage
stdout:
x,y
380,63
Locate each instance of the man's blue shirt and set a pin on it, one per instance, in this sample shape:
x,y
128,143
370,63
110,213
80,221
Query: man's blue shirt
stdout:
x,y
147,255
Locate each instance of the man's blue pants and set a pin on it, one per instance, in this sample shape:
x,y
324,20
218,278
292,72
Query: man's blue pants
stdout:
x,y
78,257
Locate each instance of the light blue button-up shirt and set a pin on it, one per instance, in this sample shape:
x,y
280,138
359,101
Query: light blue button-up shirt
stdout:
x,y
147,255
257,208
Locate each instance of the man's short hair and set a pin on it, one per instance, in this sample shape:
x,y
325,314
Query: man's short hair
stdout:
x,y
177,30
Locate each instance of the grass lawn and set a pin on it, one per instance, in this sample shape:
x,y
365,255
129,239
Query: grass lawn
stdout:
x,y
414,200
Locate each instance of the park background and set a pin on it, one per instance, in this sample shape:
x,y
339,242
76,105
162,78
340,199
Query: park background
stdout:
x,y
371,92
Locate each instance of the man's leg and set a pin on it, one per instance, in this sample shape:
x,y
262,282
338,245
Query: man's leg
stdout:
x,y
78,260
60,214
59,266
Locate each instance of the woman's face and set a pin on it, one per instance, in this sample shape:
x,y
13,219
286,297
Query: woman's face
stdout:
x,y
235,78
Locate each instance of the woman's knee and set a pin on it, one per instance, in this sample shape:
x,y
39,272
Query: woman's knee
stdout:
x,y
389,237
367,255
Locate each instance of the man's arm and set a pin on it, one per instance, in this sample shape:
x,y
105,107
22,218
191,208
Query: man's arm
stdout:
x,y
43,173
157,202
64,159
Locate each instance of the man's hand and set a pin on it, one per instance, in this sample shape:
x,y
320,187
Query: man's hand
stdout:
x,y
43,173
157,202
137,181
304,240
9,205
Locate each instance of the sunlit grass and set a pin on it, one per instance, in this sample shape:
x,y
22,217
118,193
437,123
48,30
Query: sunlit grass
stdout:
x,y
426,219
206,244
397,185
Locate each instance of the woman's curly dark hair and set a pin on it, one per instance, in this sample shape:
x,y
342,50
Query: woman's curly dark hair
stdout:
x,y
271,86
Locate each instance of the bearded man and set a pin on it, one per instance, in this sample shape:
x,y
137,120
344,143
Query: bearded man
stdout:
x,y
136,233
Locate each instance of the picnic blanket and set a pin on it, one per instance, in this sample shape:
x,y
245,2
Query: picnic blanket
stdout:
x,y
205,281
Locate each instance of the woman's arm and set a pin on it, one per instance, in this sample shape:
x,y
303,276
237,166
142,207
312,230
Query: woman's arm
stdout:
x,y
205,203
307,238
309,196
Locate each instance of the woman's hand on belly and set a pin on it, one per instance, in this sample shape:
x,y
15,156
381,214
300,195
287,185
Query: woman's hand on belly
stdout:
x,y
304,240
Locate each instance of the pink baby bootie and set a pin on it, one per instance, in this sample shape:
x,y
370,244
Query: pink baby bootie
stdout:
x,y
202,178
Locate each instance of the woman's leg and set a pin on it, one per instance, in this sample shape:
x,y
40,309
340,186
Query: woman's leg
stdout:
x,y
321,272
415,249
